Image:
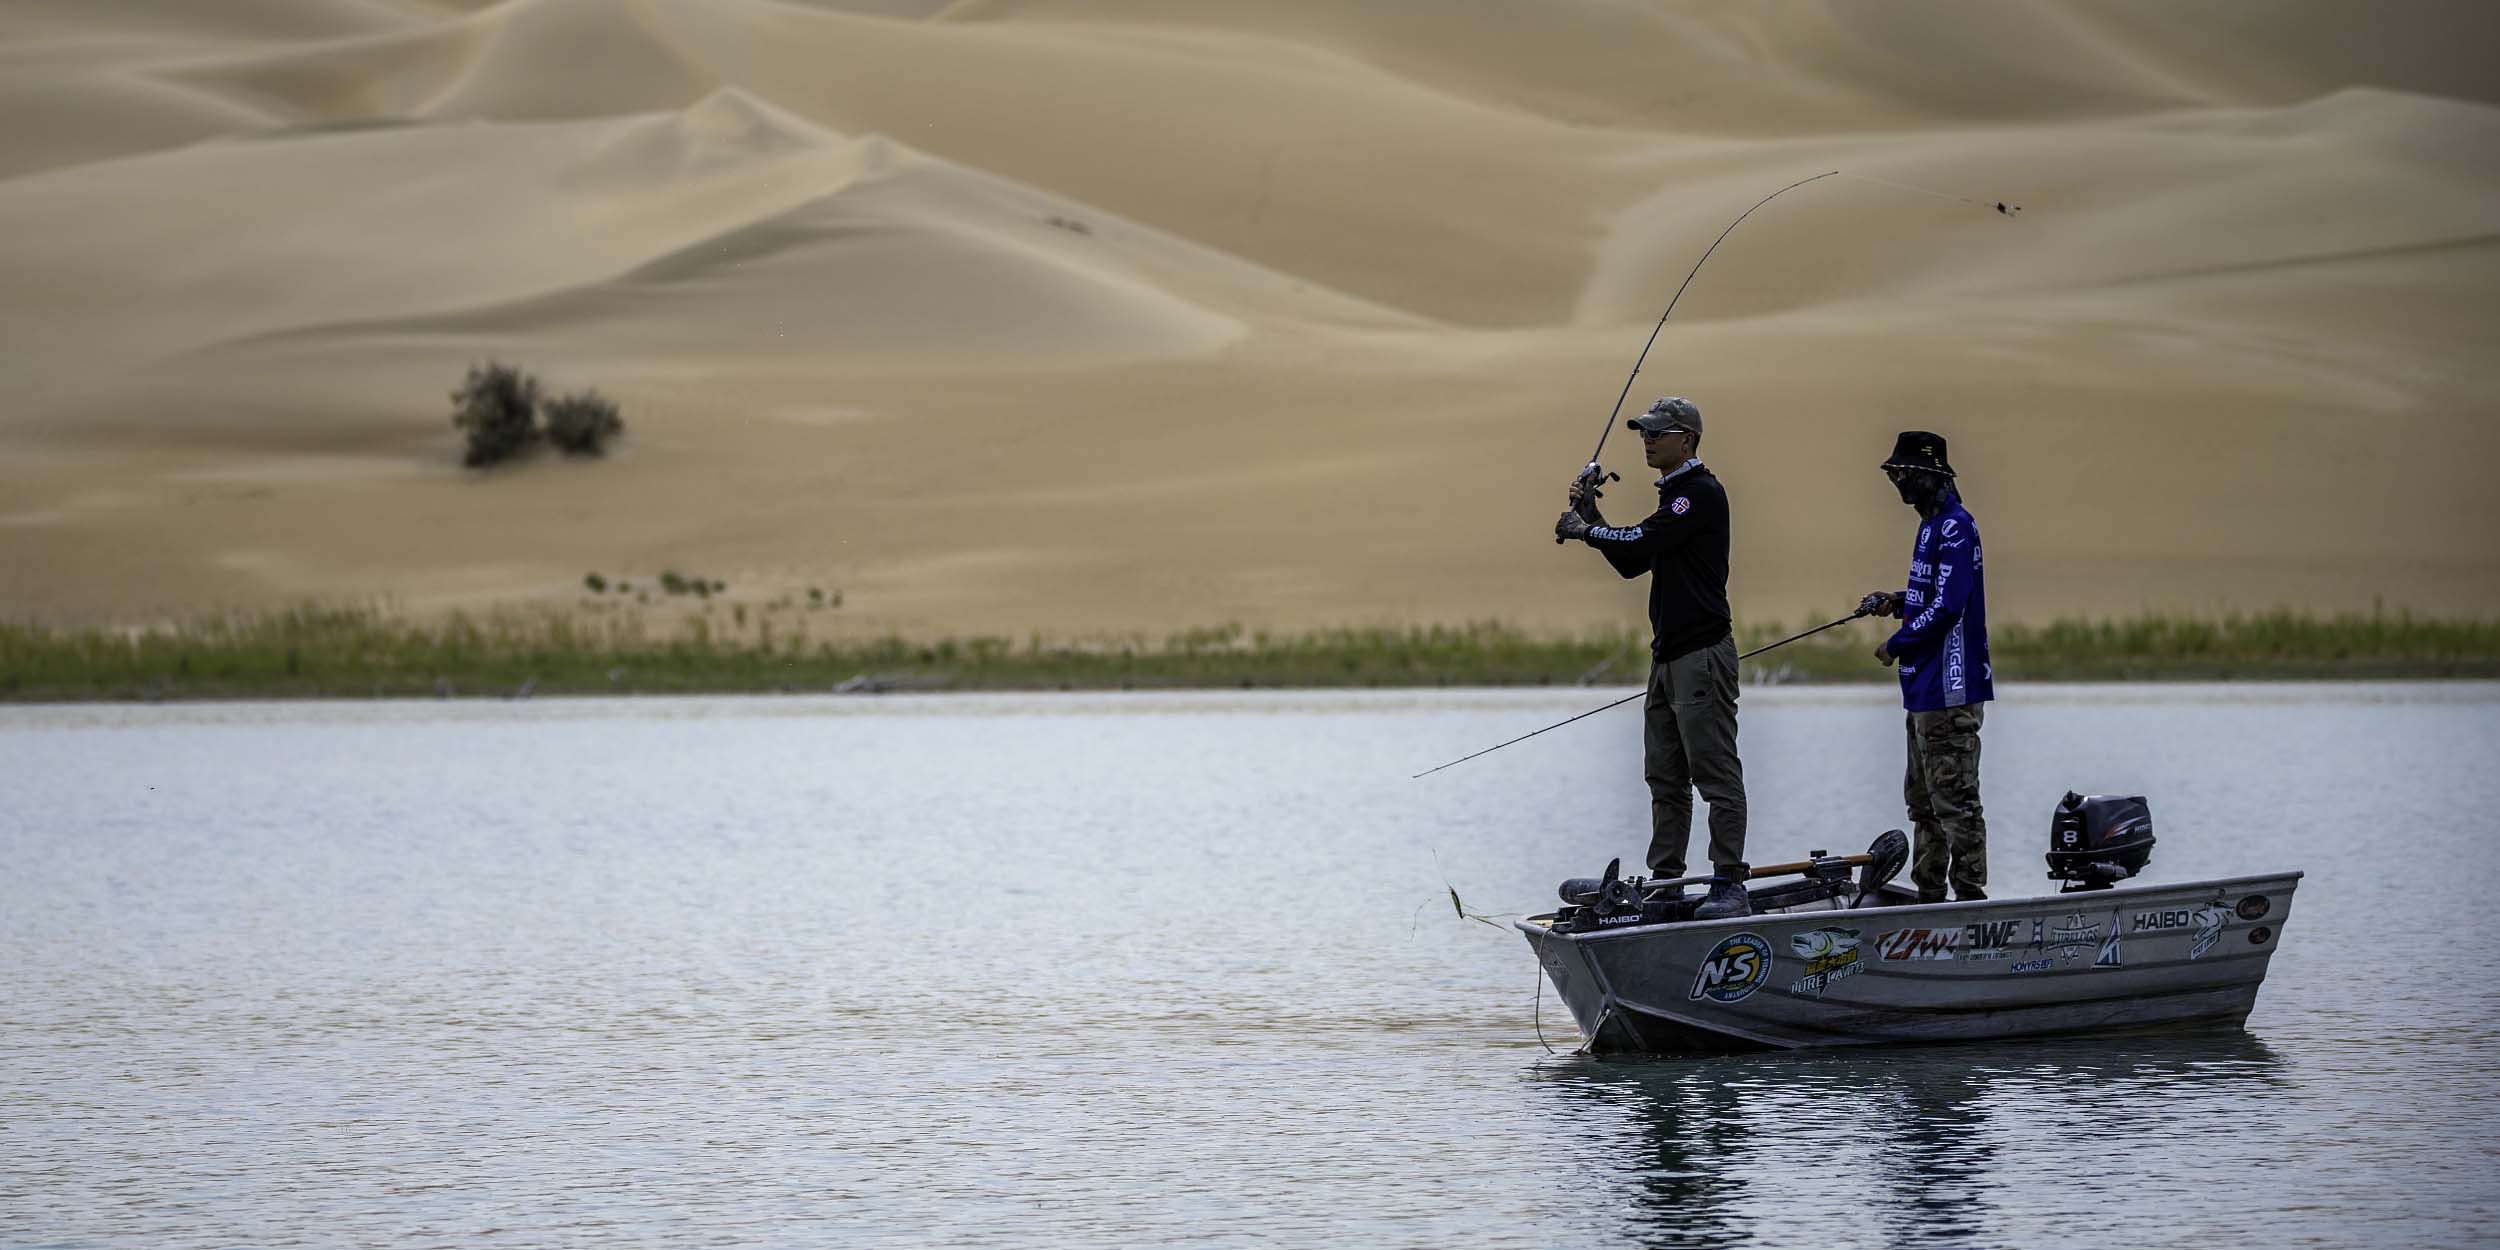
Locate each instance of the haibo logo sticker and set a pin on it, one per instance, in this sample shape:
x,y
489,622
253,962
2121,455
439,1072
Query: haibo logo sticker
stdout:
x,y
1734,968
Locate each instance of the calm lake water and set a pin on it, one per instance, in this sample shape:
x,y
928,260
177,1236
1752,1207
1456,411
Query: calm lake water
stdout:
x,y
1117,970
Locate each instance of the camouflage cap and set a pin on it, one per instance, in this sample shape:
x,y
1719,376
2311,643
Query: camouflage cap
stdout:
x,y
1668,414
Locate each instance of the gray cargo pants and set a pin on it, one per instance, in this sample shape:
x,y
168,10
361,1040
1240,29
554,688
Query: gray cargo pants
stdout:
x,y
1689,741
1941,787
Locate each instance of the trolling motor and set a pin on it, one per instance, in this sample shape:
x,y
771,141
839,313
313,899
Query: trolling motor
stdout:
x,y
1612,901
2098,840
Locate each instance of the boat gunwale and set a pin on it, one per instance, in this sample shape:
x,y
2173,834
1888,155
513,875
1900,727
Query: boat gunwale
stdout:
x,y
1529,925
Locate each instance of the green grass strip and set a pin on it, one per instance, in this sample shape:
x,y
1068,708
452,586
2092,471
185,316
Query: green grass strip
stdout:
x,y
311,653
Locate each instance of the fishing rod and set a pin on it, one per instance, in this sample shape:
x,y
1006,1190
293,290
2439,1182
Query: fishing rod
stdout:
x,y
1863,610
1591,470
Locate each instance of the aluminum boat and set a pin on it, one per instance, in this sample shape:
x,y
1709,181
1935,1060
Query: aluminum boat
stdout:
x,y
1828,960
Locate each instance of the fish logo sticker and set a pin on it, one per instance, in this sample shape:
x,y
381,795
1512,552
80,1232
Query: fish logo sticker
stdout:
x,y
2209,922
1681,505
1733,969
1831,956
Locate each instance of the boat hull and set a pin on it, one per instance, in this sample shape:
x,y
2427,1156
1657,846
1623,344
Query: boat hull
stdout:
x,y
2114,960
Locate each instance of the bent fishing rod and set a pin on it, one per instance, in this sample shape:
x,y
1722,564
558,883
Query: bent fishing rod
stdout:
x,y
1591,471
1862,611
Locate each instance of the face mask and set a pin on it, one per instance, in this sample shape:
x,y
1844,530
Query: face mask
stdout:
x,y
1918,489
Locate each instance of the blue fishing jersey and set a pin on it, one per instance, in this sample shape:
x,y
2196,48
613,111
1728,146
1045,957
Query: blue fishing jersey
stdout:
x,y
1943,639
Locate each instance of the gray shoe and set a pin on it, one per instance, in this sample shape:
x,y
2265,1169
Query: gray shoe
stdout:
x,y
1727,898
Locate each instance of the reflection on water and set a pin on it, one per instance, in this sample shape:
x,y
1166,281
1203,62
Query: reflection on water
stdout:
x,y
1019,971
1925,1129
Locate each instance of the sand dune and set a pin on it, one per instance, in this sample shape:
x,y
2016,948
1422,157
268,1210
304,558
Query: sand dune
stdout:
x,y
1247,144
1762,69
2105,202
319,229
917,266
1087,315
57,24
49,120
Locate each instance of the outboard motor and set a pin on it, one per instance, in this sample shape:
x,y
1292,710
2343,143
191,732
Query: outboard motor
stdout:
x,y
2098,840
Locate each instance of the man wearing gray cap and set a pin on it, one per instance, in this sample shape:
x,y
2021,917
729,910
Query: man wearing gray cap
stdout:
x,y
1689,735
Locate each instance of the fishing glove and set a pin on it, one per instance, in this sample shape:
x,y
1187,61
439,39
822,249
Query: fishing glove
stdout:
x,y
1572,525
1585,494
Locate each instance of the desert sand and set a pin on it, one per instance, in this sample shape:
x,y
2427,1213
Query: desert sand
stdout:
x,y
1098,316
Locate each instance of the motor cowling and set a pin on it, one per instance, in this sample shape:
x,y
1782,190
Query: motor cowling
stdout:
x,y
2097,840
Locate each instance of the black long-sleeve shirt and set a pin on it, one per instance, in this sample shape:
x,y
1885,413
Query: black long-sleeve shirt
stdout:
x,y
1683,548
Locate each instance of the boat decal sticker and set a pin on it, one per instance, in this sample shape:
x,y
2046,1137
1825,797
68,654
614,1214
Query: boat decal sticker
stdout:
x,y
1989,939
2167,918
2031,965
1734,968
2209,923
1831,957
2111,956
2069,938
1919,944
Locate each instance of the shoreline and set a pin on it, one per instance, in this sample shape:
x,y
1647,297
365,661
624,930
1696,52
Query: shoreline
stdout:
x,y
363,654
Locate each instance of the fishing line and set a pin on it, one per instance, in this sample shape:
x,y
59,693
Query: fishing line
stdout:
x,y
1591,471
1537,1003
1999,205
1617,410
1620,702
1609,428
1536,1009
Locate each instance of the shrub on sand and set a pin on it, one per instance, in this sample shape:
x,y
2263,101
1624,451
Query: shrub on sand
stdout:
x,y
497,407
581,423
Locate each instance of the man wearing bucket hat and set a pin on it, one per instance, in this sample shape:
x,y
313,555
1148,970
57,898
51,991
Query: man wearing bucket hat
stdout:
x,y
1689,717
1942,648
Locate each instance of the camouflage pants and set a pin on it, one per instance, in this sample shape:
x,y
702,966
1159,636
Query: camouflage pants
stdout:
x,y
1942,789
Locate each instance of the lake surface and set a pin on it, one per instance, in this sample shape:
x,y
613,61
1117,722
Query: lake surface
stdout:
x,y
1126,969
